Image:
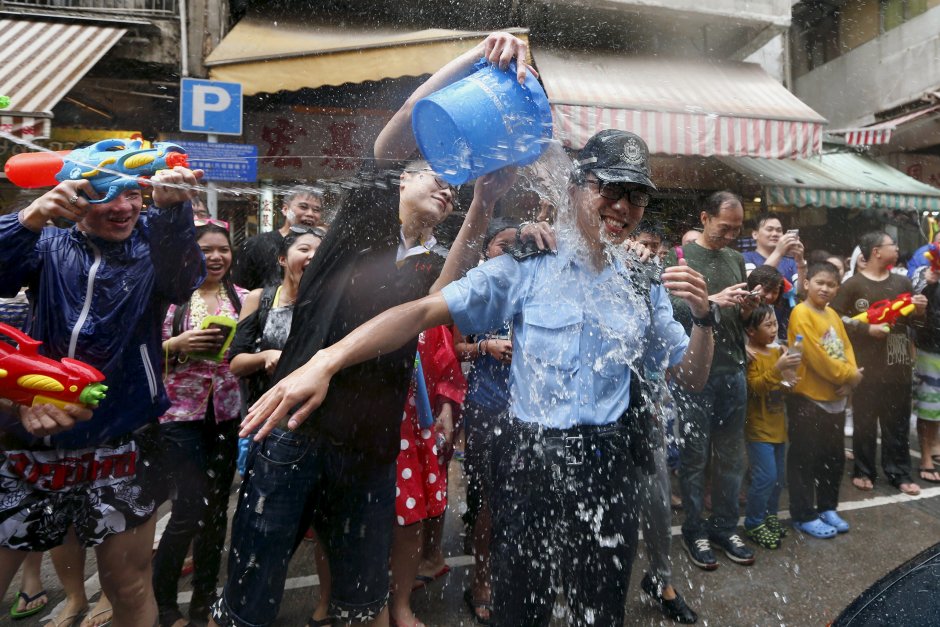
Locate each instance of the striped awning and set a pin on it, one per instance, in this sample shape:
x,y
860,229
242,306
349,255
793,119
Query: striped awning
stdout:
x,y
845,179
880,133
680,107
39,63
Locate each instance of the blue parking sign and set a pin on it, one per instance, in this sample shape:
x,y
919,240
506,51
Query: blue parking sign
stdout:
x,y
210,107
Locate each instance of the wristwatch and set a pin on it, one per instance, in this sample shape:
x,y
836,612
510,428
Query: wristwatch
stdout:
x,y
711,319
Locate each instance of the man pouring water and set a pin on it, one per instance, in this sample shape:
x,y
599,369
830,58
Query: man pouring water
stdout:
x,y
563,514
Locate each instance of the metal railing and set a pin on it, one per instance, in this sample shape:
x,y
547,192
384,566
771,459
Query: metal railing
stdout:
x,y
162,8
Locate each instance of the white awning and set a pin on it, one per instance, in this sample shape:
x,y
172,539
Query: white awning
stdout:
x,y
39,63
267,56
679,106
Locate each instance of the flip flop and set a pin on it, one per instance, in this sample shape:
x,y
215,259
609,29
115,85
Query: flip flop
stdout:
x,y
930,471
863,483
912,488
421,581
106,610
68,621
475,606
15,615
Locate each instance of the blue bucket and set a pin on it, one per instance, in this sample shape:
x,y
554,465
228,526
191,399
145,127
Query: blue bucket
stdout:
x,y
482,123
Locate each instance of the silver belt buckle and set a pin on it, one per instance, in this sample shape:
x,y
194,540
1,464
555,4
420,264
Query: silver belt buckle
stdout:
x,y
574,450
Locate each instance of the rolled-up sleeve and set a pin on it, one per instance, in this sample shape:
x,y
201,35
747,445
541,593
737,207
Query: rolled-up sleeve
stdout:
x,y
487,297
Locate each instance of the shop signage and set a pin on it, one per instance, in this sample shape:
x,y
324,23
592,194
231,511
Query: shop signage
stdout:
x,y
223,162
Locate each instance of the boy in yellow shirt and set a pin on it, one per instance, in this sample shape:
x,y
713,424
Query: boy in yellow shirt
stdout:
x,y
816,410
765,429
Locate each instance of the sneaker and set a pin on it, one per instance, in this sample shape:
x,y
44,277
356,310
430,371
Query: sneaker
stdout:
x,y
734,548
763,535
676,608
773,523
832,519
817,528
700,552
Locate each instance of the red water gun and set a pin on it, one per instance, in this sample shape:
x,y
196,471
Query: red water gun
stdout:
x,y
887,311
28,378
933,256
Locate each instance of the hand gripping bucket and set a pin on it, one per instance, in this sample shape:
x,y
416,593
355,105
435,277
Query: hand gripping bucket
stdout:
x,y
482,123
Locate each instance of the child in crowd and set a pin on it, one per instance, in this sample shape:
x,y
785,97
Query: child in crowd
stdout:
x,y
765,428
816,410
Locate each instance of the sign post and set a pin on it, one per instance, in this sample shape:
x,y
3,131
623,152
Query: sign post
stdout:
x,y
214,108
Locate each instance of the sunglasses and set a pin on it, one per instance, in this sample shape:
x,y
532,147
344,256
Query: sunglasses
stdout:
x,y
316,231
616,191
205,221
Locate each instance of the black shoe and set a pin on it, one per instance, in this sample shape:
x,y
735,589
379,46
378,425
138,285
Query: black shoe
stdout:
x,y
676,609
200,606
700,552
734,548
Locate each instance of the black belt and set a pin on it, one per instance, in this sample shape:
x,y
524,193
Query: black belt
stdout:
x,y
571,440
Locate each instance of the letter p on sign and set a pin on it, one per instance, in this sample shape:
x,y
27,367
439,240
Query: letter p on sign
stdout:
x,y
210,107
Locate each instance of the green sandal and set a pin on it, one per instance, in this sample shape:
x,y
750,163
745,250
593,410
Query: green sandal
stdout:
x,y
761,535
15,615
773,523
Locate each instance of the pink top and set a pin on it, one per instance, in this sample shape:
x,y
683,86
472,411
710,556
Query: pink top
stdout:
x,y
190,382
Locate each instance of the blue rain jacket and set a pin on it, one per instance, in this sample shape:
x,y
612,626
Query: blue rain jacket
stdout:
x,y
103,303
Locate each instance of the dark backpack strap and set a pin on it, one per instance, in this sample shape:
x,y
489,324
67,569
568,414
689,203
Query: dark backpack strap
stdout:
x,y
264,306
179,317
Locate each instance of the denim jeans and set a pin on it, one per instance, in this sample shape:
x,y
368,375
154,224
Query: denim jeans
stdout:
x,y
712,422
768,473
199,458
294,481
564,519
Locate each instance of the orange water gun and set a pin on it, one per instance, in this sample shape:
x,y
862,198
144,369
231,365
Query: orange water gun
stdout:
x,y
28,378
933,256
886,311
110,165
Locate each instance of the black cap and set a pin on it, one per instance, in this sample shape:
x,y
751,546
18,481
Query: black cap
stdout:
x,y
615,156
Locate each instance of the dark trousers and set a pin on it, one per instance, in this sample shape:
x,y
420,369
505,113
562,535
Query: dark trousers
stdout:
x,y
479,424
711,422
564,519
886,404
816,458
199,458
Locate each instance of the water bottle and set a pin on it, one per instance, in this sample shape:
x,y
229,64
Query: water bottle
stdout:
x,y
789,377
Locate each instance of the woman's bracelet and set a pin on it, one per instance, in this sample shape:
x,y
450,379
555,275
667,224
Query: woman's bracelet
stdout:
x,y
480,348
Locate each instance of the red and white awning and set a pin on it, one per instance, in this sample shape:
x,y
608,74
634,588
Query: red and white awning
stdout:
x,y
25,127
39,63
680,107
880,133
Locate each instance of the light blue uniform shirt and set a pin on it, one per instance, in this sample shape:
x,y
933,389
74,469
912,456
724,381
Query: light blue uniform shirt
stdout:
x,y
575,334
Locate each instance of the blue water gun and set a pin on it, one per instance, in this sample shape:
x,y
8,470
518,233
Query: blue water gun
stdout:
x,y
422,398
110,165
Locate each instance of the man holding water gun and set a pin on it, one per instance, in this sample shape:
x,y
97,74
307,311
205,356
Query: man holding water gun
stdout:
x,y
102,287
883,349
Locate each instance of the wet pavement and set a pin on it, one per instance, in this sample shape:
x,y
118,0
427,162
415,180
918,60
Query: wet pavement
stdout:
x,y
805,582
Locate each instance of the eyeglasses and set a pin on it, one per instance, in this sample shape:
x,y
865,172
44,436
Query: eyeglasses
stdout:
x,y
886,245
440,182
316,231
204,221
616,191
